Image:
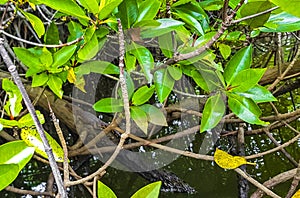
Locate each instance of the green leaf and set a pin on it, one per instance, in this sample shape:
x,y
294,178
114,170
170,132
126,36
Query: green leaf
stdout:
x,y
282,22
96,66
28,58
213,112
55,84
251,8
225,50
155,116
36,23
140,118
104,191
8,123
130,85
32,138
130,62
245,109
142,95
164,84
166,25
191,21
109,105
46,57
246,79
89,50
63,55
16,152
128,12
3,1
144,57
52,35
240,61
13,105
107,6
66,6
27,121
8,173
75,30
290,6
175,72
148,10
91,5
150,191
166,44
258,94
211,5
39,79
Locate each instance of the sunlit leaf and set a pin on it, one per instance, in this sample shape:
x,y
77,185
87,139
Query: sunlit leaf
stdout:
x,y
104,191
96,66
226,161
8,173
225,50
63,55
128,11
175,72
39,79
107,6
109,105
90,5
27,121
240,61
55,84
13,105
164,84
148,9
150,191
142,95
32,138
166,44
290,6
166,25
258,94
297,194
36,23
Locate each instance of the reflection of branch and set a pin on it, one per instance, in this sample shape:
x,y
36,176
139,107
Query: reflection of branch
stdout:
x,y
29,192
255,15
13,70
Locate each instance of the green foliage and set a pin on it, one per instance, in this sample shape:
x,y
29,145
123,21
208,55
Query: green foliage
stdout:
x,y
109,105
14,156
104,191
290,6
164,84
13,105
142,95
36,23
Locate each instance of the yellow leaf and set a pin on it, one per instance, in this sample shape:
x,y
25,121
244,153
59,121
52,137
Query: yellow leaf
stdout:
x,y
71,75
32,138
80,83
224,160
297,194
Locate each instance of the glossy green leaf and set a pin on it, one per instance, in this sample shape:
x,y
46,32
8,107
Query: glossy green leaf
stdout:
x,y
240,61
39,79
150,191
140,118
245,109
290,6
251,8
3,1
282,22
130,62
66,6
55,84
142,95
130,85
225,50
258,94
75,30
164,84
13,105
144,57
109,105
32,138
246,79
27,121
166,25
104,191
175,72
8,123
63,55
36,23
107,6
89,50
155,116
46,57
213,112
191,21
52,35
16,152
200,81
211,5
91,5
128,12
8,173
148,9
28,58
165,43
96,66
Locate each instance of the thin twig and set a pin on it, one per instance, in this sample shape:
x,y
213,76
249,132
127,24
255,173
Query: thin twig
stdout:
x,y
12,69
